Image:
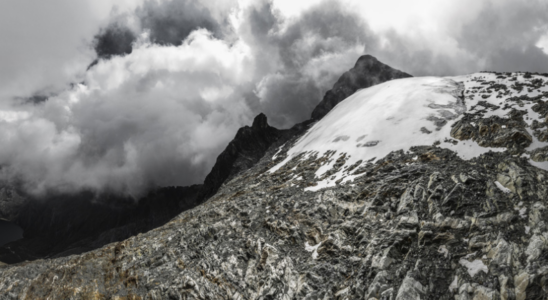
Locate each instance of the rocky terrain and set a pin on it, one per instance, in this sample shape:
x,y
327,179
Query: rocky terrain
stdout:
x,y
339,209
63,224
249,145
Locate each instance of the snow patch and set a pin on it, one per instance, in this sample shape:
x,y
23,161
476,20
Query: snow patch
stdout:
x,y
402,113
387,117
278,152
474,267
454,284
313,249
502,188
443,250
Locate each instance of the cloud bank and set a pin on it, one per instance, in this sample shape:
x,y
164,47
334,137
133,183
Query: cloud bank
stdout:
x,y
148,93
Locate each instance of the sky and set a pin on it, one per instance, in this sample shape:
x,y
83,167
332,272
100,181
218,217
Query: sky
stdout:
x,y
127,95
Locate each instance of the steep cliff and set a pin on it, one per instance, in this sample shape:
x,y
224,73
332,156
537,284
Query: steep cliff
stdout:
x,y
247,147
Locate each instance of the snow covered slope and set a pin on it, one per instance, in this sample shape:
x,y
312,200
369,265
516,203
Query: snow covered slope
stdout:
x,y
493,111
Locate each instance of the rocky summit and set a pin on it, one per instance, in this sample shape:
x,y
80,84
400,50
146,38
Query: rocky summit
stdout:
x,y
415,188
367,71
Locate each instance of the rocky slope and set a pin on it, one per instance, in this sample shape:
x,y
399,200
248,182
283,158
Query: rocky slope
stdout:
x,y
247,147
417,188
58,225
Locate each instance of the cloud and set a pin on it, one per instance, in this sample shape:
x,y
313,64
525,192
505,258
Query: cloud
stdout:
x,y
299,59
45,45
133,125
504,36
163,22
175,79
170,22
114,40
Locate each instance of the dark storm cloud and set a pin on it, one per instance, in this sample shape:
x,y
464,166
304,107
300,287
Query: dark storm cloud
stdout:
x,y
505,33
179,77
300,59
166,23
170,22
115,39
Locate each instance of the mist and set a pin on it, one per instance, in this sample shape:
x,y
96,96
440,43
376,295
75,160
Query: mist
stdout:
x,y
148,93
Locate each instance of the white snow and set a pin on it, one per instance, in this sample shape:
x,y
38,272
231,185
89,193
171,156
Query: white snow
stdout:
x,y
278,152
402,113
502,188
454,284
473,267
523,213
313,249
443,250
384,118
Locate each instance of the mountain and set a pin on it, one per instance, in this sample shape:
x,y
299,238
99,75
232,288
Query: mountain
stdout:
x,y
367,71
247,147
63,224
415,188
58,225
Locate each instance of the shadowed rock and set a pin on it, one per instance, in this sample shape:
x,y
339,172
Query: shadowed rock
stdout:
x,y
367,72
65,224
248,146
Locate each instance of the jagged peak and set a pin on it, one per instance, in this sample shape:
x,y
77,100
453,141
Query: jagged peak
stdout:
x,y
367,71
260,122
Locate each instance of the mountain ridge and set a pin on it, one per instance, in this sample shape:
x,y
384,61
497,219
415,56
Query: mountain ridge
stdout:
x,y
42,226
335,208
367,71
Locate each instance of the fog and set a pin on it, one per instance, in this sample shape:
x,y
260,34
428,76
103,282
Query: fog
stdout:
x,y
129,95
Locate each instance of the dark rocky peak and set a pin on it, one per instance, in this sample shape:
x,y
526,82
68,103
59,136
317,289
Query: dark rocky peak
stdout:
x,y
260,122
367,72
248,147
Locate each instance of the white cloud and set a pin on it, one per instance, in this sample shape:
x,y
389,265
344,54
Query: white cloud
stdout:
x,y
141,120
161,115
543,43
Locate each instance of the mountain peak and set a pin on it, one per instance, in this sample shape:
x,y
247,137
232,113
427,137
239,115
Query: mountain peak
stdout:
x,y
367,71
366,58
416,188
260,122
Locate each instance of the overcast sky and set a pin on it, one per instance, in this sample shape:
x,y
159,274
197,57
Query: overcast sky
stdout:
x,y
126,95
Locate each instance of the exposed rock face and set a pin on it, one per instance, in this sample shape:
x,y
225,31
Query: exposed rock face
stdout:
x,y
432,227
457,219
61,225
249,145
367,72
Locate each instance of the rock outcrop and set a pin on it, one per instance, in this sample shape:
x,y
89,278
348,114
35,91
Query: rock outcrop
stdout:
x,y
367,72
463,217
66,224
247,147
417,225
